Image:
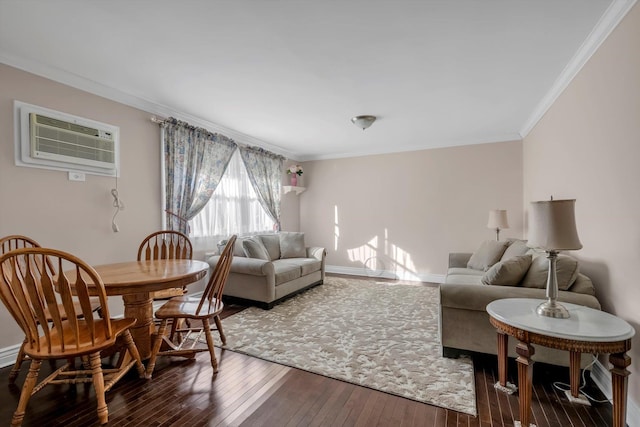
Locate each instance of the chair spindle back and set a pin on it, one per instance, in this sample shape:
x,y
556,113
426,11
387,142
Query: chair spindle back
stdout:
x,y
166,244
52,301
17,241
218,278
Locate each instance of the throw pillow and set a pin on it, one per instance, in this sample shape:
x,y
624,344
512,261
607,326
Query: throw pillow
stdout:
x,y
253,248
292,245
508,272
515,248
566,271
488,254
271,243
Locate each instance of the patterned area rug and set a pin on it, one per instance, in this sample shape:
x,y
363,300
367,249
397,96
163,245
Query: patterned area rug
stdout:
x,y
380,335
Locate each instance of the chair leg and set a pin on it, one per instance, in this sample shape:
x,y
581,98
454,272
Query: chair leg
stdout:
x,y
223,338
25,395
156,348
206,327
16,366
98,384
176,324
133,351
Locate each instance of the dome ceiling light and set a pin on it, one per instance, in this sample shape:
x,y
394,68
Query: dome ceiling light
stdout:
x,y
363,121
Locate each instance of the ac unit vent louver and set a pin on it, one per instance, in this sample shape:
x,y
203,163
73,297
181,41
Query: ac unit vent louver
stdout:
x,y
63,141
49,139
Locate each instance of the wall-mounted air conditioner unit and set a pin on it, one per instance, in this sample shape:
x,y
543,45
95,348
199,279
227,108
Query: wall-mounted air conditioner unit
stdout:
x,y
53,140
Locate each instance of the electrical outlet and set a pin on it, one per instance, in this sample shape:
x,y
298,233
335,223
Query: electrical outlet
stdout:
x,y
76,176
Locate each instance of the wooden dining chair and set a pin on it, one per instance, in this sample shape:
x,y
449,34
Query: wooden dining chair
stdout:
x,y
13,242
166,244
33,293
209,306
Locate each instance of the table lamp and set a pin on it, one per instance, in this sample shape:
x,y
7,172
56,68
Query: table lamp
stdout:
x,y
553,229
498,221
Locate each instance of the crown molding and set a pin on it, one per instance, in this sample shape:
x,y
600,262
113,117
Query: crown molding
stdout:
x,y
509,137
607,23
113,94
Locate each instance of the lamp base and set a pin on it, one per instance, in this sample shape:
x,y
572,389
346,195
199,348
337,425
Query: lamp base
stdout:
x,y
552,309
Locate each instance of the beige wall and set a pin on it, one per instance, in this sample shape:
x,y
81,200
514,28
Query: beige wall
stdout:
x,y
408,210
587,147
76,216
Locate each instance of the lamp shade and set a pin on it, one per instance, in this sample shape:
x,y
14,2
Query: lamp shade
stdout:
x,y
553,225
498,219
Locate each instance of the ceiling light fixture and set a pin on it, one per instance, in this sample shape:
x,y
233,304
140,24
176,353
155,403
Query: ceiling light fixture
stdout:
x,y
363,121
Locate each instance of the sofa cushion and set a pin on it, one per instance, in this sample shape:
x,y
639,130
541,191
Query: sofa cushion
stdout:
x,y
453,271
477,297
566,271
487,254
464,279
515,248
271,243
238,250
285,271
292,245
307,265
508,272
583,285
253,248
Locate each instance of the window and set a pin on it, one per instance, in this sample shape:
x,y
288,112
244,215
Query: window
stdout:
x,y
233,209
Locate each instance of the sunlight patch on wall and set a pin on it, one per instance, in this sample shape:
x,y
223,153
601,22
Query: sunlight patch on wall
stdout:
x,y
384,260
336,228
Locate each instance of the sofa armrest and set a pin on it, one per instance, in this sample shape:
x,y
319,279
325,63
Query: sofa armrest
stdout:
x,y
459,259
244,265
319,254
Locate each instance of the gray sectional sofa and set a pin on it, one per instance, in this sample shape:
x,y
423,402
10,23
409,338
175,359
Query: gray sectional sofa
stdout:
x,y
269,268
502,270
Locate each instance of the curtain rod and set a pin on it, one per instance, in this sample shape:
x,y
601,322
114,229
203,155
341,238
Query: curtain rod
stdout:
x,y
162,121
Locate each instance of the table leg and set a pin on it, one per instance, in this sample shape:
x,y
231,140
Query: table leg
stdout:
x,y
619,374
574,372
503,384
525,378
503,341
140,307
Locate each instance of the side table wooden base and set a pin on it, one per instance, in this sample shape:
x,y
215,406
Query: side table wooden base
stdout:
x,y
586,331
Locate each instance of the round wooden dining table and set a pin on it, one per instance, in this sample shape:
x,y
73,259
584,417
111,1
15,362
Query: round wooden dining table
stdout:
x,y
134,280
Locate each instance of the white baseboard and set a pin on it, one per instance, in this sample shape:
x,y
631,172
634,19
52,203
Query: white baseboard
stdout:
x,y
602,377
8,355
385,274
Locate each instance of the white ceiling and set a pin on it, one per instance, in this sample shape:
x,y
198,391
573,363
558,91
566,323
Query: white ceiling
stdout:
x,y
290,74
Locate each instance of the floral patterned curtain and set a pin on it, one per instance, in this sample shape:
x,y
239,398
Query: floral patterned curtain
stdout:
x,y
265,173
194,160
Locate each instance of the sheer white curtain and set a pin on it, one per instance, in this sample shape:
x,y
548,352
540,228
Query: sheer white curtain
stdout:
x,y
234,208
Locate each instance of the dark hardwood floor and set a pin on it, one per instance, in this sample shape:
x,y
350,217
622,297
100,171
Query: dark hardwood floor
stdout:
x,y
252,392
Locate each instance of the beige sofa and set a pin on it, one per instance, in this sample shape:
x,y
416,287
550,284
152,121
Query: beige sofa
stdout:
x,y
268,268
473,281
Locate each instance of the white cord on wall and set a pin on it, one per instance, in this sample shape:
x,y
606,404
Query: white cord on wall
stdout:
x,y
118,204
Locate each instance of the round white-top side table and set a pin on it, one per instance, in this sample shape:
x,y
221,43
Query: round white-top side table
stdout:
x,y
585,331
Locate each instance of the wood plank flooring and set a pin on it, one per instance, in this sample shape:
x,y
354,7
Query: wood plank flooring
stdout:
x,y
252,392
